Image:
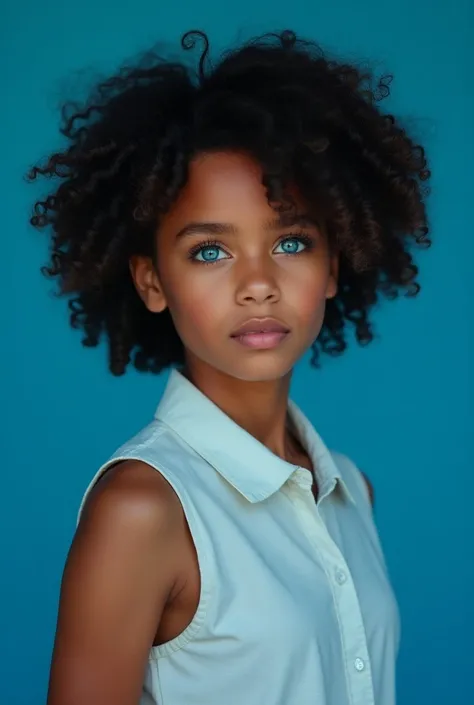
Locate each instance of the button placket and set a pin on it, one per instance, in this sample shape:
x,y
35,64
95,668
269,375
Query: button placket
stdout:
x,y
346,603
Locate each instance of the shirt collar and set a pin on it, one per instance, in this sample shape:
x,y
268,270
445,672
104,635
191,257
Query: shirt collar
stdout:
x,y
248,465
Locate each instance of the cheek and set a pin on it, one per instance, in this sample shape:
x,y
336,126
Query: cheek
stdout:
x,y
194,305
312,310
308,290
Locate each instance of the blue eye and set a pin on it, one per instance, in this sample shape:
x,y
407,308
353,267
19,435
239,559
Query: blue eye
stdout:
x,y
209,254
291,246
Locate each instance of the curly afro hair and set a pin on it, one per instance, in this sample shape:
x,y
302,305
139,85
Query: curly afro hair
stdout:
x,y
309,121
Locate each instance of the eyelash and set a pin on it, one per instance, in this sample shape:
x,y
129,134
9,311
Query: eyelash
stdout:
x,y
306,240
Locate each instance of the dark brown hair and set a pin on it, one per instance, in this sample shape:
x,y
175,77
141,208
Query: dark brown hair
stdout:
x,y
309,121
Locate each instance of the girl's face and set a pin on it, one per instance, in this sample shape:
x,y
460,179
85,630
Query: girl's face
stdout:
x,y
225,260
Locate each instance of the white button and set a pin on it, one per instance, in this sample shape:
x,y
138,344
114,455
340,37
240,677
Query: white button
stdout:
x,y
341,577
359,664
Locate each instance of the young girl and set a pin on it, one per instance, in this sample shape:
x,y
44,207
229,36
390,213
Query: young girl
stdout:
x,y
223,222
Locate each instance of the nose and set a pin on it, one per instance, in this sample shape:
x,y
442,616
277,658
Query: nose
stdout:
x,y
257,286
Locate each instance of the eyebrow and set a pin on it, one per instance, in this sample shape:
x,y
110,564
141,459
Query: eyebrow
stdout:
x,y
288,220
205,227
282,221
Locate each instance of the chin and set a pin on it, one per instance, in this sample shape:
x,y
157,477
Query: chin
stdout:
x,y
261,371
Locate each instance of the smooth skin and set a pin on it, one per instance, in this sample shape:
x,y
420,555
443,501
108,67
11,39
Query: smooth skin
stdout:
x,y
132,578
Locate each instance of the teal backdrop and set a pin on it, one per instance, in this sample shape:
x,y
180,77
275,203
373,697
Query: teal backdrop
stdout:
x,y
401,408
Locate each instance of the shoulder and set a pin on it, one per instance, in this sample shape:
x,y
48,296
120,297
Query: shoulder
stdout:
x,y
353,476
132,525
370,488
134,495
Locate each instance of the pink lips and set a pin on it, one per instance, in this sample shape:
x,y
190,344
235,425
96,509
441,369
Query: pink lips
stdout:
x,y
261,333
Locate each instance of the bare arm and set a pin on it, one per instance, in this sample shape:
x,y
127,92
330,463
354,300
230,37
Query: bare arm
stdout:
x,y
118,577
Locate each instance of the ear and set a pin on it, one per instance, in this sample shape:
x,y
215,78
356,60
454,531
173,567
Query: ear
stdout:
x,y
332,286
147,284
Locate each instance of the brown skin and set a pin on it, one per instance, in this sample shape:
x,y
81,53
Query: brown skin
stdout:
x,y
132,576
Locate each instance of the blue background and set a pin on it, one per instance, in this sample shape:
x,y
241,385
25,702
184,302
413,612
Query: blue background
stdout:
x,y
402,408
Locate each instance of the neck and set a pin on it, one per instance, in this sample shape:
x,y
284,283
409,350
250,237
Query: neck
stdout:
x,y
261,408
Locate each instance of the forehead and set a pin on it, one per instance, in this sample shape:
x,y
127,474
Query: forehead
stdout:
x,y
224,186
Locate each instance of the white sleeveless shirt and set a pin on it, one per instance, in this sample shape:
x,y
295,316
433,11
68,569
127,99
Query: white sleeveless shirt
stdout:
x,y
296,606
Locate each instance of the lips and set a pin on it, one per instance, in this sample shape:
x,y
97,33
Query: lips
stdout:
x,y
261,334
260,325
